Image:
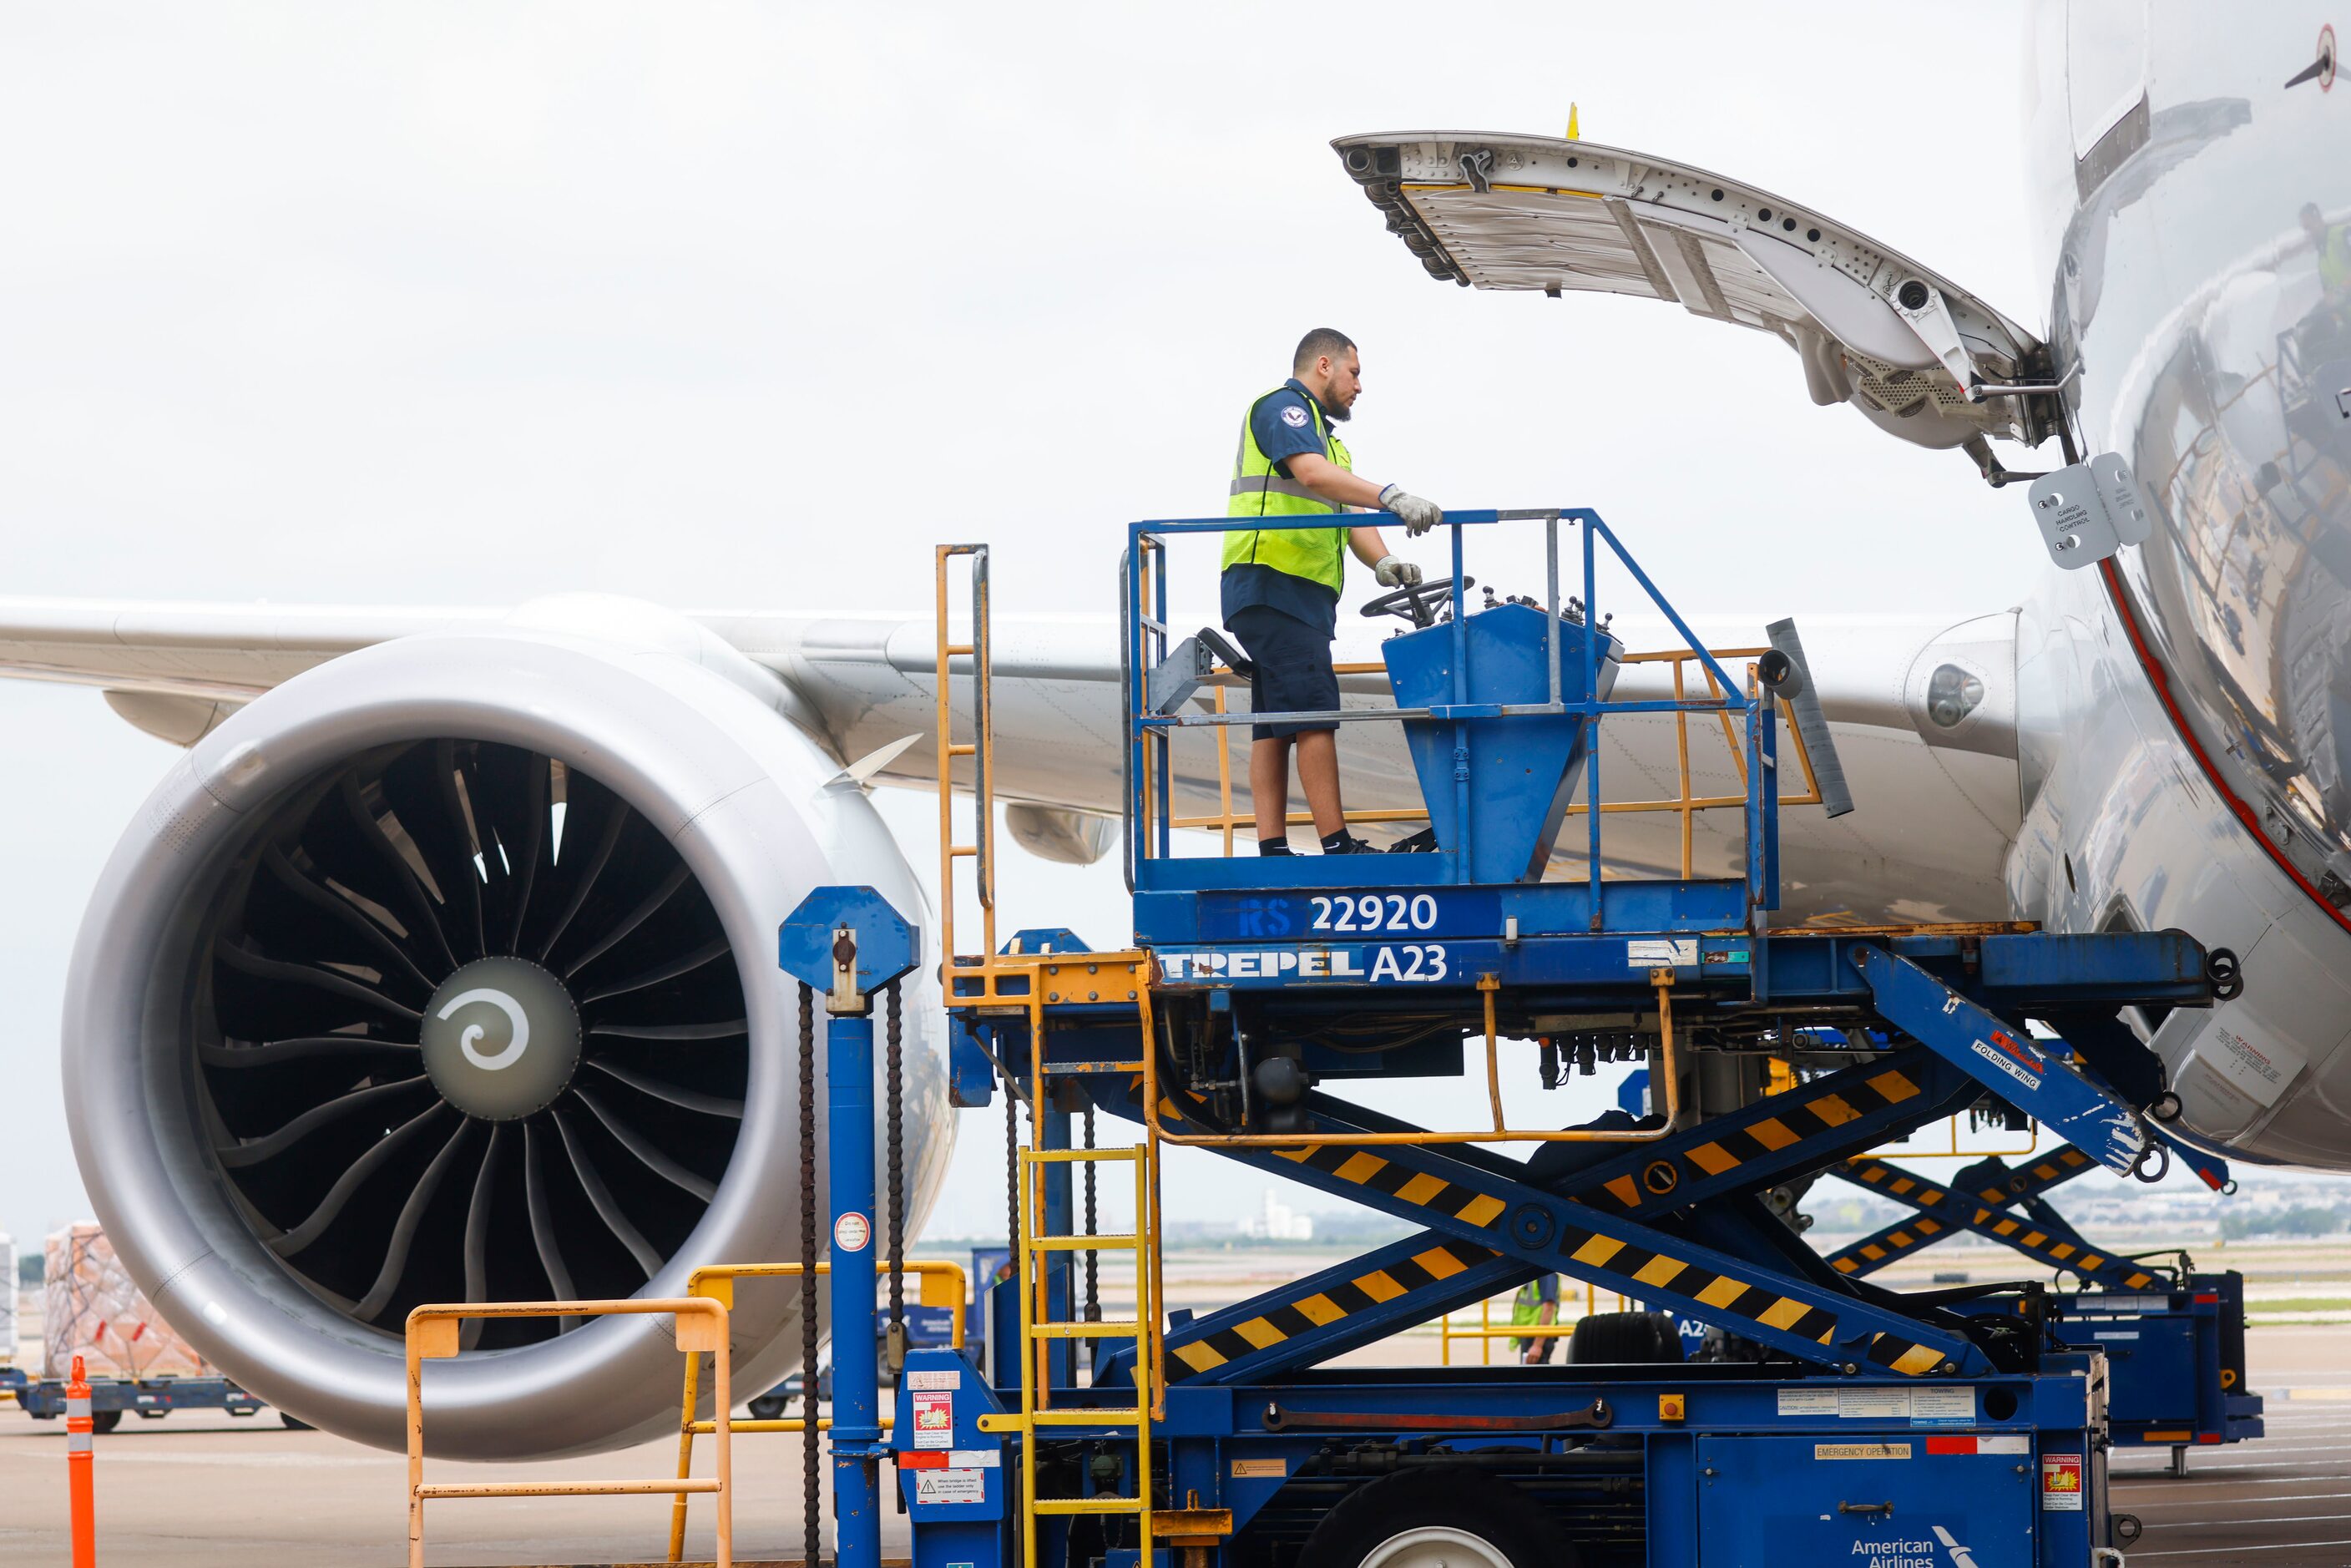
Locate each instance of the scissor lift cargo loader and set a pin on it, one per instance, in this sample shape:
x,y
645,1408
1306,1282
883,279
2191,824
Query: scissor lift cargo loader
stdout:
x,y
1911,1427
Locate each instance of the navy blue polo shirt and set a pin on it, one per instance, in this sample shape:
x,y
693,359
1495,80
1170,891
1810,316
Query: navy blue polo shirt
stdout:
x,y
1283,425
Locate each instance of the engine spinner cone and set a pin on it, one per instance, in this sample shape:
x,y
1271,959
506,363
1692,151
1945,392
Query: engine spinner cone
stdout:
x,y
501,1039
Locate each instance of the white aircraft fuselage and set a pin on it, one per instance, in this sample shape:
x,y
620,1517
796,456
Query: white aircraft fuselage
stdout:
x,y
2184,711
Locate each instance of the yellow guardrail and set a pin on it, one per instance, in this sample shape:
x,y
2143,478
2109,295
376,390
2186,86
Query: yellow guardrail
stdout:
x,y
942,1285
432,1335
1487,1331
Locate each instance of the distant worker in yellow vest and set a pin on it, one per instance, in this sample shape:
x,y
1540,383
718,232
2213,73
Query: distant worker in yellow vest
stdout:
x,y
2334,250
1281,584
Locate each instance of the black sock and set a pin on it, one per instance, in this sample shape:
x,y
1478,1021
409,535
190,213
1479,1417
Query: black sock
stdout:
x,y
1274,847
1336,840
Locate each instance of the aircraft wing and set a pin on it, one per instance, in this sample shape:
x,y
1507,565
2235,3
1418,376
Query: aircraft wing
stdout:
x,y
1907,348
1923,712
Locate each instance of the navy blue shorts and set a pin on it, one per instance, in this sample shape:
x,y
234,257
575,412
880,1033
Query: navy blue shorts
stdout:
x,y
1293,668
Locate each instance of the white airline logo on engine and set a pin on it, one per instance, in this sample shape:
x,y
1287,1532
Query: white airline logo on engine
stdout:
x,y
518,1021
1408,963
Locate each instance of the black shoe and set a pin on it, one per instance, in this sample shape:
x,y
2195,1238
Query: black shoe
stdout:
x,y
1346,844
1423,842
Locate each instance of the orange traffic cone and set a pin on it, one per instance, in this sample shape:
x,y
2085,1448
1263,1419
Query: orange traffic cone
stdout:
x,y
77,1469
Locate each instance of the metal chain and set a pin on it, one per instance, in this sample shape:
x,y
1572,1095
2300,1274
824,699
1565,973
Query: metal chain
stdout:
x,y
897,1057
1093,1258
1012,1171
813,1538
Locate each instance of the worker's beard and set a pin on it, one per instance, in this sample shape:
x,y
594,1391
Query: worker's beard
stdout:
x,y
1336,416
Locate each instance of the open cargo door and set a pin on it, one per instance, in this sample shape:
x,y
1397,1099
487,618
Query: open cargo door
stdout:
x,y
1921,357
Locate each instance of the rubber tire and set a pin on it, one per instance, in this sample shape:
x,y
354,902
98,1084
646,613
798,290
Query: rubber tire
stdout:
x,y
766,1407
1634,1339
294,1423
105,1420
1499,1512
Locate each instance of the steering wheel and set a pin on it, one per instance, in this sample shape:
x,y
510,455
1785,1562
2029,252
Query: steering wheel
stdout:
x,y
1416,602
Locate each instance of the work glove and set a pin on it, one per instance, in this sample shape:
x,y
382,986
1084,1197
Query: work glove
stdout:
x,y
1417,515
1394,571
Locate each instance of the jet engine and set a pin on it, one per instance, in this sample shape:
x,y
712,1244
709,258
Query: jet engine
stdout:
x,y
446,971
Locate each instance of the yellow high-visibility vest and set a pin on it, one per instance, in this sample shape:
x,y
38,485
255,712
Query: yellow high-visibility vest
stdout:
x,y
1318,555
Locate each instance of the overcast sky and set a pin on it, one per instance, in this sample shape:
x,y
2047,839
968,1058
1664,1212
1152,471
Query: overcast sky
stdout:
x,y
746,306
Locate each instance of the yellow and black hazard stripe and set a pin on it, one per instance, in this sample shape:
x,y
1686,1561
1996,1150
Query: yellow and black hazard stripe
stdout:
x,y
1722,1295
1793,1118
1895,1239
2021,1234
1725,1297
1906,1356
1889,1243
2025,1237
1322,1308
1369,1168
2064,1163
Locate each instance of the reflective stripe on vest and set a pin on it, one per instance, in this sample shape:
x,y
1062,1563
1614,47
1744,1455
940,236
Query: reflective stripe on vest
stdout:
x,y
1318,555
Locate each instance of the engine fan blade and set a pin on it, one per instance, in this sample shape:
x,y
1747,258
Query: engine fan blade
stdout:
x,y
630,922
403,1229
478,1239
372,831
371,1160
600,1197
255,1150
276,1053
514,793
609,835
340,910
245,961
689,1099
685,964
423,787
542,1224
652,1158
726,1028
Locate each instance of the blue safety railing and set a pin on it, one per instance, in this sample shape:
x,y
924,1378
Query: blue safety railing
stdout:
x,y
1147,640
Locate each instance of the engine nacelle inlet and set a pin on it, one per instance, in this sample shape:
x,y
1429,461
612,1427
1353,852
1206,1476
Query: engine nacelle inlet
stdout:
x,y
446,971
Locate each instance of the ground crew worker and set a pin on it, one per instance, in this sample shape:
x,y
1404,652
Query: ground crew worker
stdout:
x,y
1281,585
2334,248
1536,1302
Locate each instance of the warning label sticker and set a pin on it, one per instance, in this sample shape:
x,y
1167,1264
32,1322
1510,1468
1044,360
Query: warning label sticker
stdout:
x,y
950,1379
1861,1450
1936,1405
950,1486
1874,1403
1260,1470
934,1419
1652,955
2061,1483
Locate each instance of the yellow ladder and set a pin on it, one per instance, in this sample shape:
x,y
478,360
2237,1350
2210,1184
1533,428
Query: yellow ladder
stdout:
x,y
980,748
1040,1329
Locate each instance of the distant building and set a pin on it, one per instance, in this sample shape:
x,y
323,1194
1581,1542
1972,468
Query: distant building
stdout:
x,y
1278,1222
